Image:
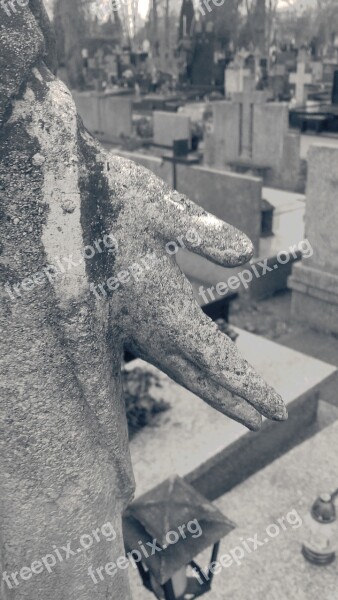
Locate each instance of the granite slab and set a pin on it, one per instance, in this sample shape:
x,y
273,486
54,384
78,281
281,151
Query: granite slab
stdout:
x,y
192,439
284,490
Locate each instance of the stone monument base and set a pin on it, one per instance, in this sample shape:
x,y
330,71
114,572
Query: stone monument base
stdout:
x,y
314,297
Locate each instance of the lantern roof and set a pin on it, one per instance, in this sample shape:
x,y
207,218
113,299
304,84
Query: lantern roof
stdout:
x,y
182,522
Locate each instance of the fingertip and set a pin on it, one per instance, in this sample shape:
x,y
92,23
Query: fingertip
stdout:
x,y
254,424
245,250
248,415
274,408
278,409
282,414
240,251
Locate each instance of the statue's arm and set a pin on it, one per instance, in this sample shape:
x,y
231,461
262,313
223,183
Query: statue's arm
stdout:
x,y
164,324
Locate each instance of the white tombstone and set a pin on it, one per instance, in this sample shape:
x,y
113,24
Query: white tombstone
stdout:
x,y
317,71
234,80
301,78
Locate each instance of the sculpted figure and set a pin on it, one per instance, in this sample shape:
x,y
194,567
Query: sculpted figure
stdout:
x,y
64,460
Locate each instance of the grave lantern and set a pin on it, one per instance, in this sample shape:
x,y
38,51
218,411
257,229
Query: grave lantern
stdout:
x,y
322,534
181,523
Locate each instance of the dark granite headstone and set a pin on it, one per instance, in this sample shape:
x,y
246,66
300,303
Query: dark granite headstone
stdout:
x,y
267,210
202,63
335,88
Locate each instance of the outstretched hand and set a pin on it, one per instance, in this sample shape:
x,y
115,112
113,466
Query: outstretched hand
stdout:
x,y
163,323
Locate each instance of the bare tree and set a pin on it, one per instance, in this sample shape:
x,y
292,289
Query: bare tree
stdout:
x,y
72,25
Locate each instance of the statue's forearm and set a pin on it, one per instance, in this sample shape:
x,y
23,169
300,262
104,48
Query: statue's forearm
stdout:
x,y
65,466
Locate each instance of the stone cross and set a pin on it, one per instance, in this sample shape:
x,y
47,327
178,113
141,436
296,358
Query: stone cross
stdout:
x,y
247,100
85,274
300,79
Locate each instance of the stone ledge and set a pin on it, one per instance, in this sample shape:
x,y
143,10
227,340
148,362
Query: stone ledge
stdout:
x,y
198,443
314,278
275,570
315,311
314,292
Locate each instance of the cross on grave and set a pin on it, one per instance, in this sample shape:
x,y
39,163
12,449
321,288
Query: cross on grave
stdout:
x,y
300,79
247,100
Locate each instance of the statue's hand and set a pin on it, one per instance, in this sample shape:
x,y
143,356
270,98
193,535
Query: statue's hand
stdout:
x,y
164,323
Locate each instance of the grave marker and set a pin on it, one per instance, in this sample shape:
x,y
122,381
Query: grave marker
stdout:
x,y
279,81
248,132
329,67
246,102
278,69
169,127
315,284
234,80
335,88
317,71
301,78
107,116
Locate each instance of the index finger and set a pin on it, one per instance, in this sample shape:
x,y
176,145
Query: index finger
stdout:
x,y
172,215
219,241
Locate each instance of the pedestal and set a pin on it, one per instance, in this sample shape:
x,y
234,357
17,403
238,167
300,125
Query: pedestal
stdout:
x,y
314,297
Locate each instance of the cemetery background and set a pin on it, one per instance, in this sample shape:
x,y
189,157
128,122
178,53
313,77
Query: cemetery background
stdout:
x,y
250,136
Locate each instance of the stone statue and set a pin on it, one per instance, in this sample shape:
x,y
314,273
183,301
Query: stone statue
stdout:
x,y
74,222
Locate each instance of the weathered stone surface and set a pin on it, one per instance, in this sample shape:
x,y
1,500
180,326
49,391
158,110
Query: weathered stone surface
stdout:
x,y
275,568
169,127
108,116
256,136
233,80
315,284
65,464
179,440
233,198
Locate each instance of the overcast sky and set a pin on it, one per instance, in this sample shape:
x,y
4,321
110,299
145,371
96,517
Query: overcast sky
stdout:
x,y
144,4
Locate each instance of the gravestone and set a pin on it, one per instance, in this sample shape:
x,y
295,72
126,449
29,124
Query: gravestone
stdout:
x,y
65,469
278,69
107,116
317,71
233,123
315,284
278,81
303,56
300,79
248,132
246,102
202,64
329,67
169,127
234,80
335,88
287,58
